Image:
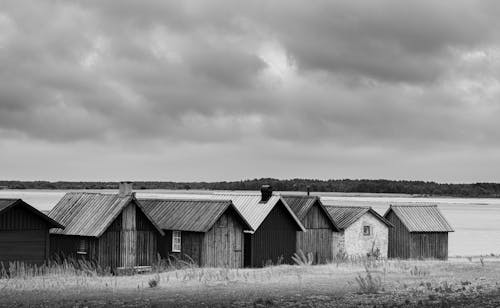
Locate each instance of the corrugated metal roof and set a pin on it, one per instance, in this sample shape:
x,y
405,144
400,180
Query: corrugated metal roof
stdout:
x,y
253,210
421,218
187,214
89,214
7,203
301,205
344,216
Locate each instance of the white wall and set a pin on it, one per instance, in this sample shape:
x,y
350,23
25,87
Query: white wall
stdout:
x,y
358,244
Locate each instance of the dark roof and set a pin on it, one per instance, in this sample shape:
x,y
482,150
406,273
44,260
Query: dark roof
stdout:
x,y
6,204
188,214
344,216
90,214
421,218
301,205
253,209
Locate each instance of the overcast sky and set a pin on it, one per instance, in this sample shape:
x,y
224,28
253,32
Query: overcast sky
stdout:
x,y
224,90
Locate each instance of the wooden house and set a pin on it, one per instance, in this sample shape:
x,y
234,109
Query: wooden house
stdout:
x,y
363,232
208,232
319,224
420,232
110,229
24,233
274,225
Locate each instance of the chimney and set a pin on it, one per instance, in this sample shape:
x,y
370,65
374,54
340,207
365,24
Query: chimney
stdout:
x,y
308,190
266,192
125,189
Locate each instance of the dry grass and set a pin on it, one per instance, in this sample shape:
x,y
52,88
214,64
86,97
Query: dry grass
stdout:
x,y
186,280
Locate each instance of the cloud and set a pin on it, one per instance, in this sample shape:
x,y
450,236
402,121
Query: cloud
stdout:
x,y
342,76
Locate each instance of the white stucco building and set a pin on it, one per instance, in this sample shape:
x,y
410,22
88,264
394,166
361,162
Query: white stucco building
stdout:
x,y
362,231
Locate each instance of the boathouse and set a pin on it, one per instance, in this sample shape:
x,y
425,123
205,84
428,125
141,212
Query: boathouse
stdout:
x,y
274,224
206,232
363,232
319,225
112,230
24,233
420,232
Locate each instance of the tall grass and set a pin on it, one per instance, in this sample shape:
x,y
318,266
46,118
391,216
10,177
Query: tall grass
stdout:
x,y
66,267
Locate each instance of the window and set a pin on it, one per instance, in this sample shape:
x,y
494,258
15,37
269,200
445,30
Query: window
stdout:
x,y
176,241
82,247
367,230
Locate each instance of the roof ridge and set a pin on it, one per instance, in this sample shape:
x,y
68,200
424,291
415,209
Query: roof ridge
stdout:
x,y
186,200
348,206
10,199
414,205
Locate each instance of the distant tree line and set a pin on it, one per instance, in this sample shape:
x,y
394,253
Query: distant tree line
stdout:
x,y
345,185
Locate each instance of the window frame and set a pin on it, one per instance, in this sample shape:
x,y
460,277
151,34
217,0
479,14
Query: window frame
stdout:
x,y
369,228
82,247
176,241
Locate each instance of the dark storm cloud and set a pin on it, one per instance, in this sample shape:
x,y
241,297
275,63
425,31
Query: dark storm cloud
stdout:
x,y
384,74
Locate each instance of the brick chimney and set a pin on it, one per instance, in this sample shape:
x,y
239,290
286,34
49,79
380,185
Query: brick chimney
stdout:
x,y
125,189
266,193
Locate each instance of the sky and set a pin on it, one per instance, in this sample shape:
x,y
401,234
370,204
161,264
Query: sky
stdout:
x,y
228,90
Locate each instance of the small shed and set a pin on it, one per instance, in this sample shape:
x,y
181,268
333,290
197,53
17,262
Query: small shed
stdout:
x,y
209,232
112,230
362,231
319,224
24,232
420,232
274,224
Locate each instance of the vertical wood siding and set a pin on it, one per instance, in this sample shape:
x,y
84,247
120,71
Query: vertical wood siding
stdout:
x,y
318,238
191,246
429,245
110,245
399,239
223,243
129,236
23,237
147,240
275,238
66,246
416,245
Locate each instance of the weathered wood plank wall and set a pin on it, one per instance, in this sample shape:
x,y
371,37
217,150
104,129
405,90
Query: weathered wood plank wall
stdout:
x,y
223,243
399,239
129,236
275,239
23,237
318,238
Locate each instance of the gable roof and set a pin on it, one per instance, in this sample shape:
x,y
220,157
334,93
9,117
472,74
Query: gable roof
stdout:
x,y
253,209
90,214
188,214
421,217
301,205
345,216
6,204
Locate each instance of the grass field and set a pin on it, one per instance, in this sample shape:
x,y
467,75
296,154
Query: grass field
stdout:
x,y
457,282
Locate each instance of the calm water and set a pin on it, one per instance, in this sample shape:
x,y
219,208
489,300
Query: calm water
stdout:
x,y
476,221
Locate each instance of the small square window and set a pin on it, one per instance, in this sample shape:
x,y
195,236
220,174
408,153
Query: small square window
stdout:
x,y
176,241
82,247
367,230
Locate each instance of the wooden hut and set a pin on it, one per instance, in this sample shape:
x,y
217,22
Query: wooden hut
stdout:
x,y
24,232
319,224
209,232
363,231
110,229
420,232
275,226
